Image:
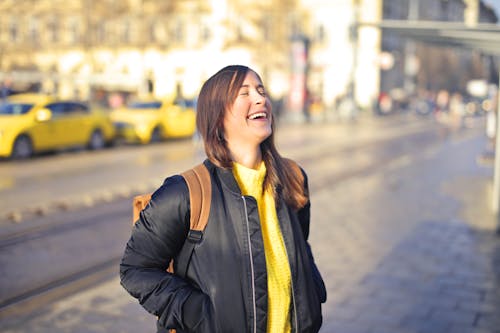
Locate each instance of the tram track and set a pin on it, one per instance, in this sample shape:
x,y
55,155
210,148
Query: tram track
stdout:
x,y
57,227
31,299
46,262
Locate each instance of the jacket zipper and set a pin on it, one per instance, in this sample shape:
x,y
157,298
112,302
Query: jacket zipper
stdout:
x,y
292,284
251,265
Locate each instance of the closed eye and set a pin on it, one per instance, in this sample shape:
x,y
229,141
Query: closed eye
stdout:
x,y
261,90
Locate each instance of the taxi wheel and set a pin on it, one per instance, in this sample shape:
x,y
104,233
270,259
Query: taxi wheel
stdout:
x,y
22,148
96,140
155,135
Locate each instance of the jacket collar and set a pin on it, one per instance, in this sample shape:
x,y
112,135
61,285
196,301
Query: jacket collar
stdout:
x,y
225,175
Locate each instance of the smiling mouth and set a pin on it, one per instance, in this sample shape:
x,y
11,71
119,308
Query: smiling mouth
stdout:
x,y
258,115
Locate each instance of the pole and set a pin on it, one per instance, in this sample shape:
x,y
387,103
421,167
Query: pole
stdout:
x,y
354,36
496,175
410,68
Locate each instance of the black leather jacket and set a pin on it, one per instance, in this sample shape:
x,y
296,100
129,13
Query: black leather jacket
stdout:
x,y
225,288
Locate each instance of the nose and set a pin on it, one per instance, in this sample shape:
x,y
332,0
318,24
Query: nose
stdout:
x,y
258,97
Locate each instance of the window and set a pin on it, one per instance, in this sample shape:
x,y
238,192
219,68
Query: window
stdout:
x,y
266,28
145,105
179,31
294,27
53,28
33,30
151,32
57,109
445,10
239,33
74,31
320,33
158,32
15,108
74,107
13,30
67,108
205,33
100,32
125,35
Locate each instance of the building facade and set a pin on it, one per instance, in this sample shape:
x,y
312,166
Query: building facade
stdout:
x,y
143,46
421,68
311,53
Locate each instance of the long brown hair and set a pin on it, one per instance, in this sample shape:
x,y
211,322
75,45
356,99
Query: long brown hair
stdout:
x,y
216,96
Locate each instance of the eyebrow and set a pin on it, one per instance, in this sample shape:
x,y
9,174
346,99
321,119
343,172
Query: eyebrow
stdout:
x,y
248,86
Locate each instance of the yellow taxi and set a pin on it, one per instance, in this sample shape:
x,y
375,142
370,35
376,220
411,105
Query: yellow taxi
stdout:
x,y
33,123
152,120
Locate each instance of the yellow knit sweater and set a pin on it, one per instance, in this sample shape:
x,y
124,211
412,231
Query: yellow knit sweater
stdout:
x,y
278,269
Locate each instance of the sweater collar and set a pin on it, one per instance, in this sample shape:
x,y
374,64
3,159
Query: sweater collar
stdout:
x,y
225,175
250,181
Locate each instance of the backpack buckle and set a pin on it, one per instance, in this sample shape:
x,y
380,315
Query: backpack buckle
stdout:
x,y
195,236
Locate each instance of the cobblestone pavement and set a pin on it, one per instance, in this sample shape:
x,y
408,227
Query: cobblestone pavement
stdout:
x,y
412,248
409,247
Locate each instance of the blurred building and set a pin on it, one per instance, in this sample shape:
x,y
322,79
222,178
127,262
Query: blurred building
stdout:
x,y
420,67
343,60
75,47
311,53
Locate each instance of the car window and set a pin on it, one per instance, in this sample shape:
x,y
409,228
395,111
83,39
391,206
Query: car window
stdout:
x,y
74,107
180,102
144,105
190,103
57,109
185,103
15,108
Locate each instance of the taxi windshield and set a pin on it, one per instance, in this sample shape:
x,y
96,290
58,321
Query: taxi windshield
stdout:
x,y
15,108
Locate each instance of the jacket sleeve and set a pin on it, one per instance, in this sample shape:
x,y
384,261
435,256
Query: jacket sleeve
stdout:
x,y
156,238
304,215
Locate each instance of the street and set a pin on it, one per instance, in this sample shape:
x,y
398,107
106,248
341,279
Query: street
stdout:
x,y
402,228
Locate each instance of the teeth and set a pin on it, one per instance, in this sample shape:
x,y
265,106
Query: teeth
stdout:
x,y
258,115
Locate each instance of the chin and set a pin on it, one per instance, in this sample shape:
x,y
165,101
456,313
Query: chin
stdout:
x,y
265,136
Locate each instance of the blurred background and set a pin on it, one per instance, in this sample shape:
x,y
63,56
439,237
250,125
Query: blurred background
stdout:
x,y
389,105
312,54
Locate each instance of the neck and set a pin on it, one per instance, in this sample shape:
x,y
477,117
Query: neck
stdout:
x,y
248,156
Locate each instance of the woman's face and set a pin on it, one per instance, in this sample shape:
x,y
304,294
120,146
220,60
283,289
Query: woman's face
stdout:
x,y
248,120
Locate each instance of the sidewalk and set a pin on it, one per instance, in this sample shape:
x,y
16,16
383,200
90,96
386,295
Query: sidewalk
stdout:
x,y
413,248
409,247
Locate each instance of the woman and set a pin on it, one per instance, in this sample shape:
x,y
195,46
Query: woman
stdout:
x,y
253,270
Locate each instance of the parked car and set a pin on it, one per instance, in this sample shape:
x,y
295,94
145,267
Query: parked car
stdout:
x,y
33,123
151,120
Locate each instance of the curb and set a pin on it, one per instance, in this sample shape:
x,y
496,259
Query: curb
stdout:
x,y
84,201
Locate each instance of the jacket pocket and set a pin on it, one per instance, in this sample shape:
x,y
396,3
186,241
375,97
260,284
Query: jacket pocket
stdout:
x,y
198,314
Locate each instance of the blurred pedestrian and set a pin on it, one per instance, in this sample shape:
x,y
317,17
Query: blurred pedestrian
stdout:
x,y
253,270
5,89
457,110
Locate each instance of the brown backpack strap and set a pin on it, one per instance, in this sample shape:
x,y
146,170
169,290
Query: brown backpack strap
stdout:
x,y
139,203
200,196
